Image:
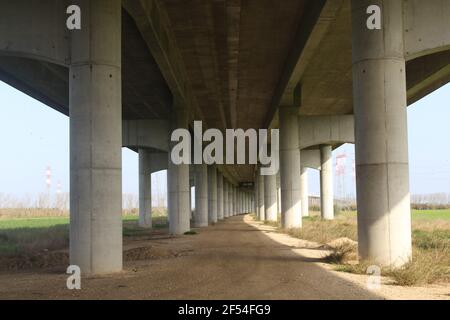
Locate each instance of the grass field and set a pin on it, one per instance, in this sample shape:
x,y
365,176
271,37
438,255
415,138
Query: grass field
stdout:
x,y
431,245
20,236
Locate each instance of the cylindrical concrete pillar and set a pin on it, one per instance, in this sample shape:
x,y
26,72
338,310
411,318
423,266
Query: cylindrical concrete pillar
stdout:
x,y
304,191
219,196
225,198
230,200
95,100
245,202
145,189
379,91
270,198
241,210
201,195
212,194
326,183
178,183
290,197
255,197
261,206
234,201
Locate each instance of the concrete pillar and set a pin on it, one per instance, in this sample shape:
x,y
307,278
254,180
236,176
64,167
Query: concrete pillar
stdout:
x,y
201,195
178,183
384,216
270,198
230,199
326,183
212,194
245,202
219,196
95,99
290,198
241,210
145,189
256,195
225,198
304,191
234,201
261,206
236,210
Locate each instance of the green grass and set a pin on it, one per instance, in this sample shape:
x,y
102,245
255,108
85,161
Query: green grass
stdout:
x,y
28,235
431,246
431,215
416,214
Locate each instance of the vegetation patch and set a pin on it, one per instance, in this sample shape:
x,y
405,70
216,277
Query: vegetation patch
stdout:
x,y
431,246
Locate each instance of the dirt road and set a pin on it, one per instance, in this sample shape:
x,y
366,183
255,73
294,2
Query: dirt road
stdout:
x,y
235,259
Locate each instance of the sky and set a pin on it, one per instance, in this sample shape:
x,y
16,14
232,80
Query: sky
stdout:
x,y
34,136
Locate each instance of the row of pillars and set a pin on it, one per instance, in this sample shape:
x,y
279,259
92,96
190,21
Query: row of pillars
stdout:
x,y
216,198
384,226
270,200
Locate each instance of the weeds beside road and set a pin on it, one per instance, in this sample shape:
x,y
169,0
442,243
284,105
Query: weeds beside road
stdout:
x,y
431,246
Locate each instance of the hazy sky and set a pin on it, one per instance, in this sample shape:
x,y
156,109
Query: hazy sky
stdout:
x,y
34,136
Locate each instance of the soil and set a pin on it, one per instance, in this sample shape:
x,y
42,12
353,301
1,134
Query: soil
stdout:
x,y
234,259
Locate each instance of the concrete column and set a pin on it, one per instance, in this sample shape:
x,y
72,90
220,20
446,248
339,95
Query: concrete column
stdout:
x,y
219,196
145,189
256,192
178,182
240,202
326,183
236,210
225,198
230,199
261,206
304,191
290,198
233,211
212,194
245,202
95,99
379,91
201,195
270,198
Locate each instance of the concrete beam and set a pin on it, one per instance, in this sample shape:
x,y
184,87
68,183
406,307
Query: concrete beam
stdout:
x,y
36,30
331,130
426,27
148,133
310,159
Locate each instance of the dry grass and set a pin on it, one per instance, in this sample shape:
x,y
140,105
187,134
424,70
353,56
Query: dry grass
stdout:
x,y
431,248
31,213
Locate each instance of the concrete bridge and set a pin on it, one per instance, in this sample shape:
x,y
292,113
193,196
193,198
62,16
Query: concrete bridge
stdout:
x,y
313,69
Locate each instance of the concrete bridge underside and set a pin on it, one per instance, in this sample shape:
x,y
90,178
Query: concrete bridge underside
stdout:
x,y
139,68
